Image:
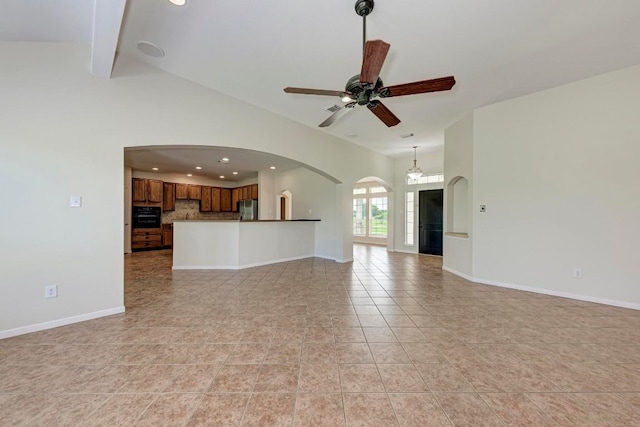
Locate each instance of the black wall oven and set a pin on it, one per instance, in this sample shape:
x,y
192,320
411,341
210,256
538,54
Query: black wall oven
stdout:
x,y
147,217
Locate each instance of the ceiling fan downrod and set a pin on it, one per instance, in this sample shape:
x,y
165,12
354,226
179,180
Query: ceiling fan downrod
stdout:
x,y
363,8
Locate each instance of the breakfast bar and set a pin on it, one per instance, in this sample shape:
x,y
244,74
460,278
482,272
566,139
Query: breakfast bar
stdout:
x,y
234,245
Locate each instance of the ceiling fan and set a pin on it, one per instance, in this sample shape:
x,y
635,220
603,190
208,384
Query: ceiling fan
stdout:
x,y
363,88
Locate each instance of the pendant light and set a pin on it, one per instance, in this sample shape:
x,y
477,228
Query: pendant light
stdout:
x,y
414,172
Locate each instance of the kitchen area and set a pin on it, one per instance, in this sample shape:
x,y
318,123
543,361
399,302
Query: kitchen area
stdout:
x,y
221,208
156,204
210,227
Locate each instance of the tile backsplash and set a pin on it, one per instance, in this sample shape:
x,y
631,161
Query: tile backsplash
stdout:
x,y
192,208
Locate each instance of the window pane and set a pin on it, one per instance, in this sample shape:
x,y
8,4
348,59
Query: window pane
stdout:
x,y
409,220
378,223
377,190
359,217
426,179
359,191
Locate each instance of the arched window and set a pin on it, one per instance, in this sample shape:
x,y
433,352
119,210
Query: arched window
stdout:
x,y
370,212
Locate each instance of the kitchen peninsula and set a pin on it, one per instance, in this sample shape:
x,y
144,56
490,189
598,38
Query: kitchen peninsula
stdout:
x,y
233,245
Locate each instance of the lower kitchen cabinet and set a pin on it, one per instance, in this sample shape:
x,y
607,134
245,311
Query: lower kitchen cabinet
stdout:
x,y
146,238
167,235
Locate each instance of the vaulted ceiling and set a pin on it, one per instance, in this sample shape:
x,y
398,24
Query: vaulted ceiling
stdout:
x,y
496,49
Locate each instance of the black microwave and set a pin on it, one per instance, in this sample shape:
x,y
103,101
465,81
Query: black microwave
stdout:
x,y
147,217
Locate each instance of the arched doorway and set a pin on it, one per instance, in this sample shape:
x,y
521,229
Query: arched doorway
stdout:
x,y
283,205
372,208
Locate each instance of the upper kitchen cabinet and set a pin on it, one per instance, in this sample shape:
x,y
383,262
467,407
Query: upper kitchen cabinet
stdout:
x,y
168,196
188,192
195,192
205,200
246,193
235,198
225,200
147,191
182,191
215,199
254,192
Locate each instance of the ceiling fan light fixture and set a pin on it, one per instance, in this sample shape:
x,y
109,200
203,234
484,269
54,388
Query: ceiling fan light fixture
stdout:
x,y
414,172
345,97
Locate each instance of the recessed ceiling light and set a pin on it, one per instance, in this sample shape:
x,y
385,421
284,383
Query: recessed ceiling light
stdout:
x,y
272,167
178,2
225,159
235,173
189,174
198,167
150,49
155,169
221,176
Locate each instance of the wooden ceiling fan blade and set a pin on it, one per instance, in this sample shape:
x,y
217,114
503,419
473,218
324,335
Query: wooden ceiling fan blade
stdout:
x,y
375,52
336,116
433,85
305,91
383,113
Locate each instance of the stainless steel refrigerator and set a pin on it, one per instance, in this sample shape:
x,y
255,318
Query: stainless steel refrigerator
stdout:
x,y
248,210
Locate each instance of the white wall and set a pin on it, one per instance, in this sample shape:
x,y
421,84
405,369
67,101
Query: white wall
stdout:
x,y
266,195
64,134
431,161
558,173
313,197
458,162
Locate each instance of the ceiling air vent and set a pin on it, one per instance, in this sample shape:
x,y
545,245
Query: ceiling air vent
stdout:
x,y
332,108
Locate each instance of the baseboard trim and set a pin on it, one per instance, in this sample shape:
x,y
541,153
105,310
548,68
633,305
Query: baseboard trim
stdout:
x,y
404,251
457,273
60,322
543,291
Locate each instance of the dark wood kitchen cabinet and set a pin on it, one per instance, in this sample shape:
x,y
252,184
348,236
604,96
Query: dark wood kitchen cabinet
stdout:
x,y
215,199
168,196
254,192
195,192
225,200
146,238
182,191
205,199
235,198
146,191
167,235
245,192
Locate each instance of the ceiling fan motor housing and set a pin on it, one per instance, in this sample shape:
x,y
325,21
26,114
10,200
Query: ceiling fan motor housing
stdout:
x,y
364,7
360,93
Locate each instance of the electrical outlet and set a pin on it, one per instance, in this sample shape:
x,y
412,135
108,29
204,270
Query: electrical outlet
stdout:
x,y
51,291
577,273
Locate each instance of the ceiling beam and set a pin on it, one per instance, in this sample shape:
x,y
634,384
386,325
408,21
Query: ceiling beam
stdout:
x,y
107,21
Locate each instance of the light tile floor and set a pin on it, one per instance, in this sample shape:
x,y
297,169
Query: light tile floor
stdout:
x,y
388,340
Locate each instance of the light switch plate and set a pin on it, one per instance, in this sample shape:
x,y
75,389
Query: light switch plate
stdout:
x,y
75,201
